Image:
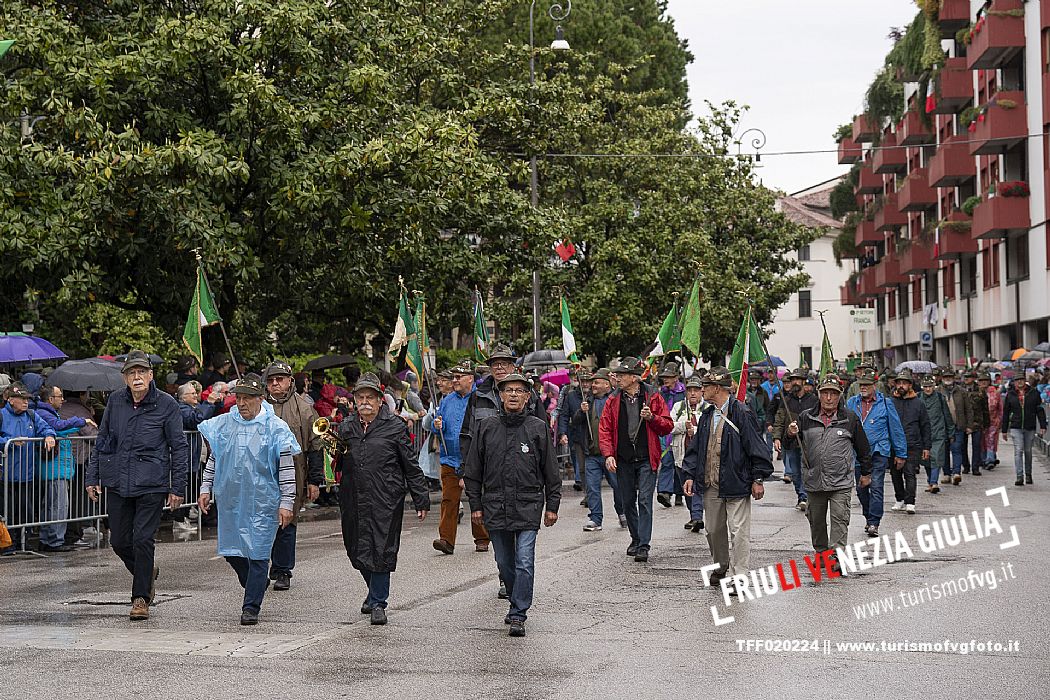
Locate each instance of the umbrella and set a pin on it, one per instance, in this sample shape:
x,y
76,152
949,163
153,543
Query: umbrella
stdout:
x,y
973,361
777,362
541,358
558,376
92,374
154,360
329,362
1015,354
17,348
919,366
1044,363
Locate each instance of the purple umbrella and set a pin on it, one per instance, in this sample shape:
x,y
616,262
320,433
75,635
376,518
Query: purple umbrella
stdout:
x,y
18,348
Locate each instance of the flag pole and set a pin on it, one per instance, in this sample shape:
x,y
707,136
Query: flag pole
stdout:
x,y
824,326
428,373
222,324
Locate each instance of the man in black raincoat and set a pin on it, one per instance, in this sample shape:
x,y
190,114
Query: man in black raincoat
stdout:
x,y
380,466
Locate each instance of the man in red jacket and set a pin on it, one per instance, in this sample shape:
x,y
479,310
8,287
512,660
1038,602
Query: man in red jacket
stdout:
x,y
634,420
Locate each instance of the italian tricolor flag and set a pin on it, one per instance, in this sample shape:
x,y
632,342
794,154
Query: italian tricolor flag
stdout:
x,y
746,352
568,338
203,312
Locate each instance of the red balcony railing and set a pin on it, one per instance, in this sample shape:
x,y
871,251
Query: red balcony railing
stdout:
x,y
999,39
888,158
953,16
918,258
890,216
867,235
956,241
867,288
1004,125
998,216
954,87
849,151
849,293
916,194
911,131
952,164
863,129
888,272
868,182
1046,93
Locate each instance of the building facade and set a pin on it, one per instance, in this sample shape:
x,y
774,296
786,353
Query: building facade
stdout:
x,y
953,240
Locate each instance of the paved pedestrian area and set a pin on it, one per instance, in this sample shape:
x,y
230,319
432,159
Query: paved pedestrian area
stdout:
x,y
602,625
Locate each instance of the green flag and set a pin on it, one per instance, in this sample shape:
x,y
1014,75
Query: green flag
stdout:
x,y
746,352
690,334
481,330
568,338
669,338
5,45
203,312
827,358
406,335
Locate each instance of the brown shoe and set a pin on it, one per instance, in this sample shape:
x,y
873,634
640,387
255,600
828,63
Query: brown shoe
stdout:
x,y
443,546
946,480
786,479
929,489
481,547
139,609
957,479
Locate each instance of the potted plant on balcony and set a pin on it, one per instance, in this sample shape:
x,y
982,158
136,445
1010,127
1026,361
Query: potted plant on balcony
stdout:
x,y
1013,188
970,204
844,132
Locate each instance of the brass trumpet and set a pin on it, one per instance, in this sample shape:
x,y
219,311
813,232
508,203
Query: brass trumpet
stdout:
x,y
333,444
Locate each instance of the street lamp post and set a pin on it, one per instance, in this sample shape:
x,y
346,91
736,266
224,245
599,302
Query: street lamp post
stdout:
x,y
557,13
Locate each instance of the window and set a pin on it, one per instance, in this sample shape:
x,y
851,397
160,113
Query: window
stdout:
x,y
891,306
968,276
931,287
806,353
916,295
902,299
803,253
1017,258
805,304
949,281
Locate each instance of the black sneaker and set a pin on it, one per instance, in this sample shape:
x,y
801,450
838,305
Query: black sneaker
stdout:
x,y
698,525
679,501
642,555
283,581
664,499
991,465
249,617
577,486
517,628
1019,482
502,595
366,609
689,525
632,550
507,620
717,575
873,531
1028,479
378,616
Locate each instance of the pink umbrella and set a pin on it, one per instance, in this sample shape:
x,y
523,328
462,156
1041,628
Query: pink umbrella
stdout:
x,y
558,376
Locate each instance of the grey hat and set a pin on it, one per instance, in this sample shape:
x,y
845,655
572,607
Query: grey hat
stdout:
x,y
584,375
277,368
670,370
136,358
514,377
906,375
867,376
249,385
929,380
984,375
830,381
694,382
368,380
464,367
630,365
18,391
719,376
5,381
501,352
799,373
602,373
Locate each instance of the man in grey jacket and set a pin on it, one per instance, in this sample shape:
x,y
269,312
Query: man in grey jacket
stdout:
x,y
832,439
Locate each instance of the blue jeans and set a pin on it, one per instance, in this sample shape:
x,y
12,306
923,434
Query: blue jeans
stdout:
x,y
55,507
378,587
515,552
594,470
958,451
871,496
637,481
251,573
668,480
575,463
793,468
282,556
694,503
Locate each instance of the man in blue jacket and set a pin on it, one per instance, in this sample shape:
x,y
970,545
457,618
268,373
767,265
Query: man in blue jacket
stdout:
x,y
17,425
58,471
885,434
142,459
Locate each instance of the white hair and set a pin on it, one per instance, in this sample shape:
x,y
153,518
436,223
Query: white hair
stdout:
x,y
185,389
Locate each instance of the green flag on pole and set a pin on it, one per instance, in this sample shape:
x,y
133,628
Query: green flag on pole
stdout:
x,y
690,334
5,45
746,352
203,312
406,336
481,329
827,359
568,338
669,339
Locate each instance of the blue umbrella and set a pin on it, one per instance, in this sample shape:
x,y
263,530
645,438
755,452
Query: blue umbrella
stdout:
x,y
777,362
19,348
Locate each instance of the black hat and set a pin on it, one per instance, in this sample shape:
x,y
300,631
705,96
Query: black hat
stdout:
x,y
669,370
630,365
798,373
136,358
719,376
185,363
513,377
277,368
218,360
501,352
368,380
694,382
18,391
249,385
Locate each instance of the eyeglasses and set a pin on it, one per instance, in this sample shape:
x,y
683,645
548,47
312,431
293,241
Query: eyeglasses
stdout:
x,y
515,392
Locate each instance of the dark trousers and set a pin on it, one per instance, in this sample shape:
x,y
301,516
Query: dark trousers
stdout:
x,y
904,479
378,587
251,573
636,482
976,440
282,557
132,526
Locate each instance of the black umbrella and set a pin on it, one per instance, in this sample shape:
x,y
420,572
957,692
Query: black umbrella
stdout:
x,y
92,374
329,362
542,358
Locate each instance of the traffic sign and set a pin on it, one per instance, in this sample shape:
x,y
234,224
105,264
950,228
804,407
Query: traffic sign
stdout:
x,y
925,341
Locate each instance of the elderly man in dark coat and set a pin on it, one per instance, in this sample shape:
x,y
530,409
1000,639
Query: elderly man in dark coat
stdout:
x,y
379,466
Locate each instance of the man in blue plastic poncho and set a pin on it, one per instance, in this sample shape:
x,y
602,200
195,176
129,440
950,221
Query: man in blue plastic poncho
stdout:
x,y
252,475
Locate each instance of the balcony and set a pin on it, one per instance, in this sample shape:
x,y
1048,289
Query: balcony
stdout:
x,y
890,216
953,16
952,164
954,87
867,288
849,151
916,194
911,131
888,272
956,240
863,129
918,258
868,182
998,216
1046,94
888,158
867,235
1003,127
1000,38
849,293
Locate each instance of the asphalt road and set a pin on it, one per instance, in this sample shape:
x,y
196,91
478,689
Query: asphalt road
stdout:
x,y
601,626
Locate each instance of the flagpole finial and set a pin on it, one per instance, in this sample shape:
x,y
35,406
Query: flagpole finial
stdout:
x,y
197,254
